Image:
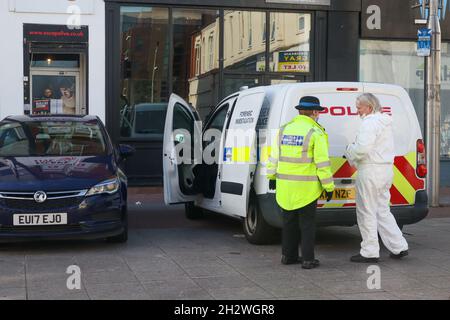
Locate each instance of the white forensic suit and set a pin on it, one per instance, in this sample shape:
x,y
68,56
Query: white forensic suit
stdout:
x,y
372,154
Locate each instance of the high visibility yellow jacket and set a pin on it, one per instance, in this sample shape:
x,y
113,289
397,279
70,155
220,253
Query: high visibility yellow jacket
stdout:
x,y
300,163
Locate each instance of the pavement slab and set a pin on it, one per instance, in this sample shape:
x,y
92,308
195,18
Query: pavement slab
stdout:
x,y
170,257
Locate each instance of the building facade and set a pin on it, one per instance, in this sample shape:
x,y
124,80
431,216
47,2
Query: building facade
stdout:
x,y
53,57
127,57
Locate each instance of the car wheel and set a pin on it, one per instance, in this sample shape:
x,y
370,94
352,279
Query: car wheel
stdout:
x,y
193,212
256,229
122,237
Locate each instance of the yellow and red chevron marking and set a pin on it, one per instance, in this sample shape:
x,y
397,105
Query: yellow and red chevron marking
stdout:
x,y
404,187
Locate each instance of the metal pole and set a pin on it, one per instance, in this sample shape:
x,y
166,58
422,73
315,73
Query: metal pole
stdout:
x,y
433,105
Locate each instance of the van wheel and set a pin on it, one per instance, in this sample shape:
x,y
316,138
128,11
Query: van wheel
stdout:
x,y
193,212
256,229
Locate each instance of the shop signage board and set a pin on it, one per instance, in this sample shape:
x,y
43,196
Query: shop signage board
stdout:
x,y
424,42
55,33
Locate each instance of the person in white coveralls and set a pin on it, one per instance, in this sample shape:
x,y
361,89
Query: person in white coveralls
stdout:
x,y
372,154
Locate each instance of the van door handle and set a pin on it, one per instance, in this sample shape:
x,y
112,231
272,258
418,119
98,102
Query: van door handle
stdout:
x,y
346,181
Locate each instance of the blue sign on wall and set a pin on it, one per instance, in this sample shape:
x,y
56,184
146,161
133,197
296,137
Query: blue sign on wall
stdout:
x,y
424,42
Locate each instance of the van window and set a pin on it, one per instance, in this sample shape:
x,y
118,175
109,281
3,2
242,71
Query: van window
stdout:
x,y
263,114
218,120
182,119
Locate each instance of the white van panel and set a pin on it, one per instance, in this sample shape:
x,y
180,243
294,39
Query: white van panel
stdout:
x,y
240,158
395,100
340,118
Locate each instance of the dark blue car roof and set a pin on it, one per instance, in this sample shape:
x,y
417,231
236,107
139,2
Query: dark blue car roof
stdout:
x,y
63,117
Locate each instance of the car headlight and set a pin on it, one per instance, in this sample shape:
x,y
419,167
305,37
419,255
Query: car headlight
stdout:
x,y
109,186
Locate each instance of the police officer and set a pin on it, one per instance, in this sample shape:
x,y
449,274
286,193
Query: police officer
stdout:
x,y
300,166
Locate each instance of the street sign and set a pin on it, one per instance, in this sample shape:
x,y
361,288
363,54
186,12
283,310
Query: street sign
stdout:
x,y
424,42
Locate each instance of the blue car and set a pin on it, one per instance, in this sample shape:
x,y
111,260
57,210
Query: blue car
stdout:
x,y
60,179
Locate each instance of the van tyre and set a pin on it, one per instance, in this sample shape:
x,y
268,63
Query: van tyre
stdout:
x,y
193,212
256,229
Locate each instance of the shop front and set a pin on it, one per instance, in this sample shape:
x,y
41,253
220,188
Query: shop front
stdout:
x,y
204,53
53,57
55,69
388,55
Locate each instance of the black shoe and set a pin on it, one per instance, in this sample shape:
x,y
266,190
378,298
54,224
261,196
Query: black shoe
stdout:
x,y
310,264
400,255
285,260
361,259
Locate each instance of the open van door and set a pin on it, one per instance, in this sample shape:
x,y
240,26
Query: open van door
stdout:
x,y
240,153
181,151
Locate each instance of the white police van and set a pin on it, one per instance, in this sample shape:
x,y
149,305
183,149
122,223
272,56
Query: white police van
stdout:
x,y
238,136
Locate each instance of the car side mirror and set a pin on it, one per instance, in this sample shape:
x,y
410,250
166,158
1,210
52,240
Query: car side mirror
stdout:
x,y
126,151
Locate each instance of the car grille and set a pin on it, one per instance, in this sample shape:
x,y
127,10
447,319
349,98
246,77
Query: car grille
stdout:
x,y
49,205
24,201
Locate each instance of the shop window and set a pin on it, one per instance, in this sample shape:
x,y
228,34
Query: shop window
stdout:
x,y
56,84
289,49
144,83
44,60
396,62
232,84
196,56
251,35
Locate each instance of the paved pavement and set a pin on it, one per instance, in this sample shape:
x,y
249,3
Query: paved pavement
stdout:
x,y
169,257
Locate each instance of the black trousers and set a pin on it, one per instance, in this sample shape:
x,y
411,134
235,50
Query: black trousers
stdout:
x,y
306,217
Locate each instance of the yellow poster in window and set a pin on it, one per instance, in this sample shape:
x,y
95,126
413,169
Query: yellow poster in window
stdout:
x,y
293,61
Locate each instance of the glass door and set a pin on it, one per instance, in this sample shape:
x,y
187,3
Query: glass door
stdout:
x,y
55,91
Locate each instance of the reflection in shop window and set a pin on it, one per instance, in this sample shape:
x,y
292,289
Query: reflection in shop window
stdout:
x,y
230,42
253,57
291,50
263,28
249,31
301,23
144,84
241,31
273,27
396,62
211,51
196,57
233,84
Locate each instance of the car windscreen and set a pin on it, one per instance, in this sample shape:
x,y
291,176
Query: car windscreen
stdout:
x,y
51,138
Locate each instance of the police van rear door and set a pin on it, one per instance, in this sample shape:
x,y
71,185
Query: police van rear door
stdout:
x,y
408,176
240,153
341,121
182,149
